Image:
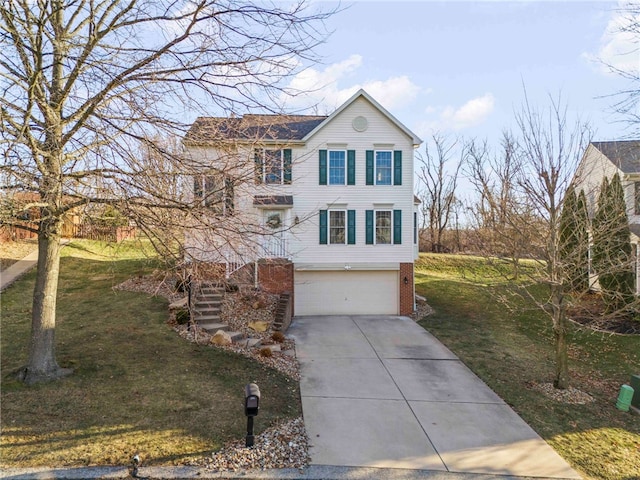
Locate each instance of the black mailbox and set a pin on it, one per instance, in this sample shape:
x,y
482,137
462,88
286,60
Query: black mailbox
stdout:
x,y
251,400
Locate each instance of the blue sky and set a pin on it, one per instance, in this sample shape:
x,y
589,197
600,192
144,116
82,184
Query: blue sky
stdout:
x,y
461,67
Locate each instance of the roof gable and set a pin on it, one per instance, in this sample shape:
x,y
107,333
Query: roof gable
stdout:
x,y
624,154
361,93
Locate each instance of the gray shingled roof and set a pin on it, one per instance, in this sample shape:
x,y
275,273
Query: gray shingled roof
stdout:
x,y
207,130
623,154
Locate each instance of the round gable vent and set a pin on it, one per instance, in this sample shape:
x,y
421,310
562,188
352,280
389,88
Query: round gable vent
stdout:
x,y
360,124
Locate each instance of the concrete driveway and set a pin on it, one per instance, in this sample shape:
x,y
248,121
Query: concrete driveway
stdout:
x,y
380,391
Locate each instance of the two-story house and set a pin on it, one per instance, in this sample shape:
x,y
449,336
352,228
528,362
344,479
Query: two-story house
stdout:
x,y
331,199
605,159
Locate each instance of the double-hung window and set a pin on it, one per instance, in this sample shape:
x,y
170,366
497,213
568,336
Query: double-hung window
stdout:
x,y
273,167
337,167
215,192
384,167
337,227
383,227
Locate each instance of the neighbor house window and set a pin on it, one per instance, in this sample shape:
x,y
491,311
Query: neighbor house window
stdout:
x,y
215,192
337,167
273,167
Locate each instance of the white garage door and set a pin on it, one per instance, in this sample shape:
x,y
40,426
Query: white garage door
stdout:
x,y
346,293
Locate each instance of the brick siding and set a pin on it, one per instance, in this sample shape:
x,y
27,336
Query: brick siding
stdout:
x,y
406,291
275,276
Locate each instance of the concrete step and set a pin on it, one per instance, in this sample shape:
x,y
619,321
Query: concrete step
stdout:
x,y
207,303
199,311
236,336
206,318
207,299
210,291
213,327
250,342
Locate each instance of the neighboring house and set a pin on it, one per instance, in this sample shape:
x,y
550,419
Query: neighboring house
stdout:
x,y
605,159
333,196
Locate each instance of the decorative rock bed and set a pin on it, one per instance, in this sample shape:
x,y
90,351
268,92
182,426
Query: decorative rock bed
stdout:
x,y
284,445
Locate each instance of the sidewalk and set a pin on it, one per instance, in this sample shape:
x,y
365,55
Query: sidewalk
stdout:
x,y
380,391
15,271
190,473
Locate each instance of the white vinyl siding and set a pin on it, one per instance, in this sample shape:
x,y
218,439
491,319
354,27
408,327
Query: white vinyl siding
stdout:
x,y
310,197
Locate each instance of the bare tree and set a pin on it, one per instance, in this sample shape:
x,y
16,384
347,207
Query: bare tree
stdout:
x,y
505,221
551,148
438,179
86,86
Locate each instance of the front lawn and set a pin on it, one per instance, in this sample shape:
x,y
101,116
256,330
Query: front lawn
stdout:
x,y
512,351
137,388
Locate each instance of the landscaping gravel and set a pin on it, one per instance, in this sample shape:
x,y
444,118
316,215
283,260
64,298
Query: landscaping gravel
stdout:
x,y
283,446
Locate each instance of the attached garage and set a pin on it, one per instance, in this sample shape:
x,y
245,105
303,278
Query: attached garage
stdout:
x,y
350,292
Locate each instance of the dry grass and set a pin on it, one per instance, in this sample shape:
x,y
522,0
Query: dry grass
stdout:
x,y
11,252
137,387
511,349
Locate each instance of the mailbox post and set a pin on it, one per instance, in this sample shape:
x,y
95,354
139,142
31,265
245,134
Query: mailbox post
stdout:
x,y
251,407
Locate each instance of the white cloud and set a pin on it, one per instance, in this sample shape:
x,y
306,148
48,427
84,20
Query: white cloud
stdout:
x,y
470,114
322,87
619,48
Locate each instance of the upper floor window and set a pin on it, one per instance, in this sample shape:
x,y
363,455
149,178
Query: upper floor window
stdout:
x,y
273,167
337,167
383,167
215,192
636,203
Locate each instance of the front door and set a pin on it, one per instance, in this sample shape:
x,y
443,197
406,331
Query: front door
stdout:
x,y
274,239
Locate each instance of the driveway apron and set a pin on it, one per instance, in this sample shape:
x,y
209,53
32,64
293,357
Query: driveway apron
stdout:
x,y
380,391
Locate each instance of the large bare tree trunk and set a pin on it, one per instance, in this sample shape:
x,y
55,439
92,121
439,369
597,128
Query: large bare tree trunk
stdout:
x,y
42,364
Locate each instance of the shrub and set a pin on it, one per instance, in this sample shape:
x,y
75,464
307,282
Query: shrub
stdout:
x,y
266,352
182,317
277,337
